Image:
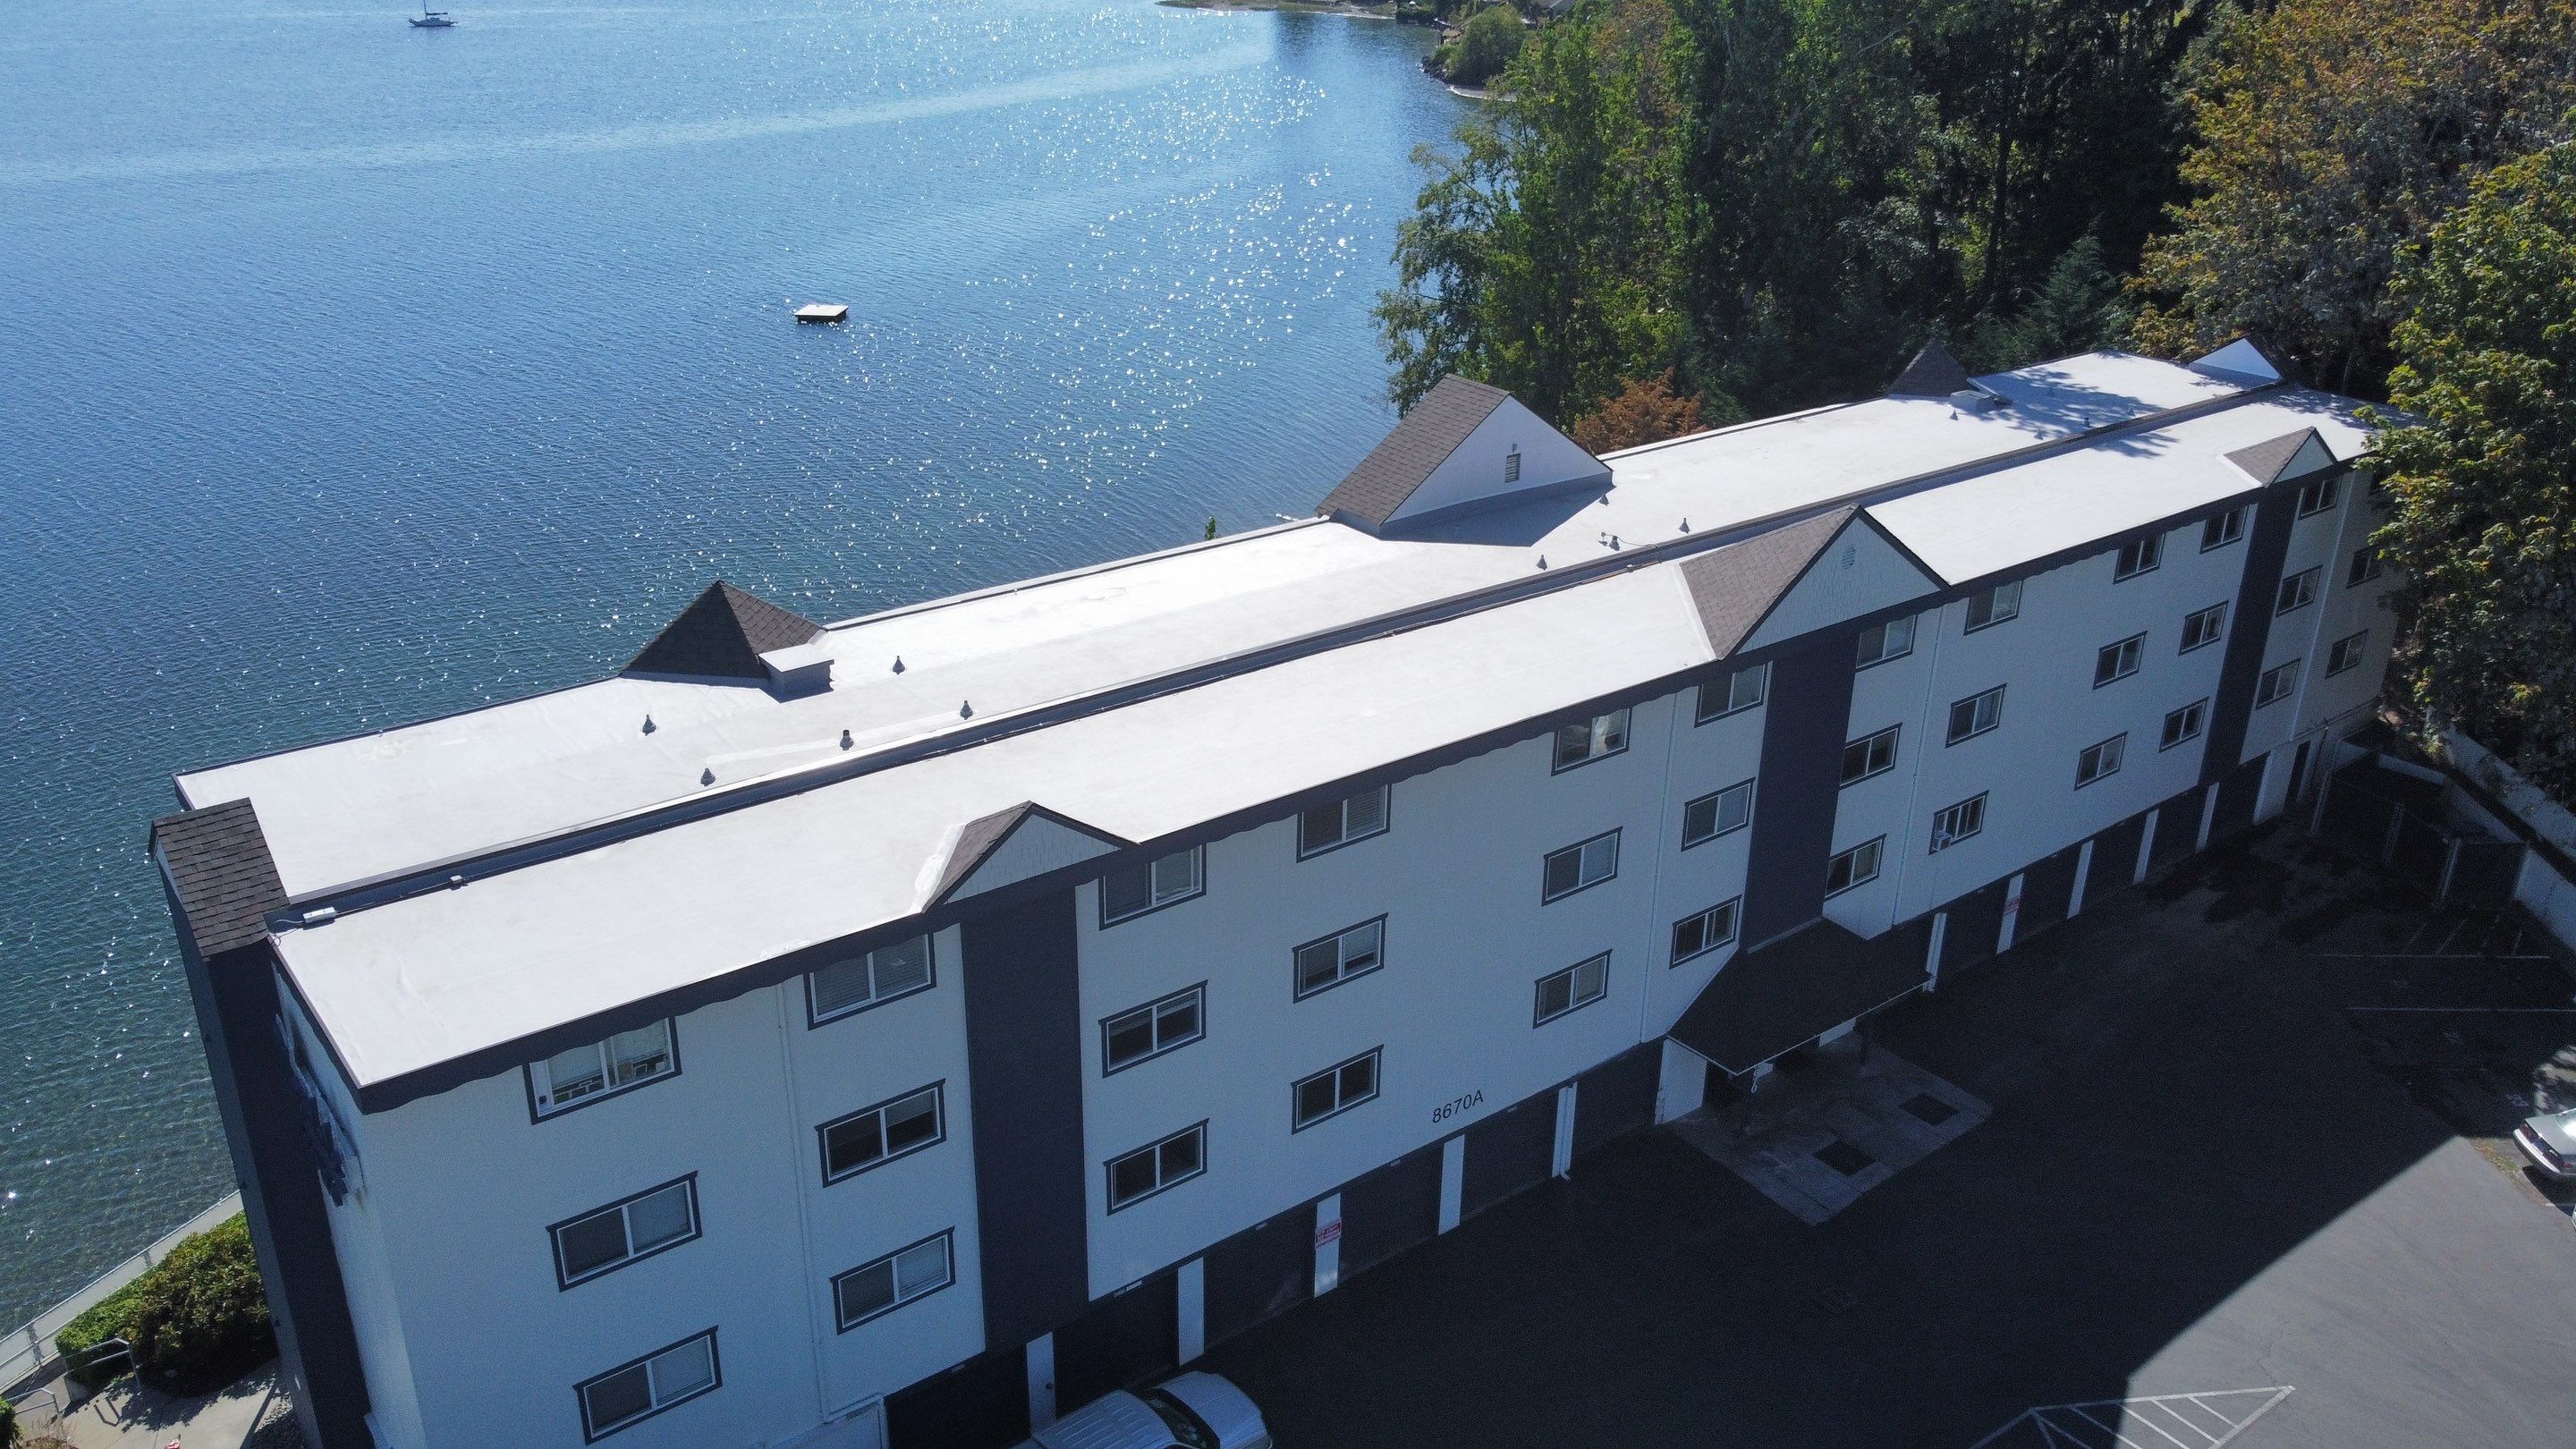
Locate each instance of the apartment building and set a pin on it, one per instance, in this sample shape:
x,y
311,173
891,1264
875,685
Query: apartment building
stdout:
x,y
884,1032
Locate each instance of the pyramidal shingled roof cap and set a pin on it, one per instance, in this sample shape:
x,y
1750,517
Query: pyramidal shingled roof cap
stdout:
x,y
721,635
1932,373
1431,430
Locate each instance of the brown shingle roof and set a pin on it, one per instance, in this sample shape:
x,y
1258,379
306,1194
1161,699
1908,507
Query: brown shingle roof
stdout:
x,y
722,634
221,872
2265,462
985,834
1736,586
1419,445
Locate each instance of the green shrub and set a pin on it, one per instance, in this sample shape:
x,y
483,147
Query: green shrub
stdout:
x,y
110,1317
1486,44
196,1320
8,1424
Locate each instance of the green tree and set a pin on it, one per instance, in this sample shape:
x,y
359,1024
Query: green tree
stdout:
x,y
2080,307
2483,489
2332,133
1486,44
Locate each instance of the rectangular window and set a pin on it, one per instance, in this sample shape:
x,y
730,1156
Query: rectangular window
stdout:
x,y
1994,606
1149,1170
2184,724
1586,740
1711,816
2095,761
626,1231
2363,568
2139,556
1698,935
2118,661
2203,627
1739,691
2297,591
873,1290
1882,642
1959,822
1355,951
2320,495
632,1393
1334,1090
1572,989
2347,652
600,1069
871,978
1325,827
2225,529
1976,714
1153,1029
2277,684
1132,890
1579,866
874,1136
1856,866
1870,755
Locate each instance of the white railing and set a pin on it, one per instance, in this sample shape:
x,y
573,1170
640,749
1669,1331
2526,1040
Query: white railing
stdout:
x,y
29,1348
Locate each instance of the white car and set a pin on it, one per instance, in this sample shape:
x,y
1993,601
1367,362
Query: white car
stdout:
x,y
1193,1411
2549,1140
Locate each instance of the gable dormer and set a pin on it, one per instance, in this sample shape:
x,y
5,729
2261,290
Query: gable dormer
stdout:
x,y
1464,446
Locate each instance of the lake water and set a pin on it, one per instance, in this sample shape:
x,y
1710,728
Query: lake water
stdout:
x,y
351,373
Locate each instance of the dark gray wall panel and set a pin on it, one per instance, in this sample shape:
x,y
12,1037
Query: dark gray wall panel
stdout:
x,y
1260,1271
2237,794
1975,920
2249,628
1024,1059
1126,1339
982,1403
1793,813
2115,858
2046,888
2177,828
1390,1209
1616,1097
1509,1152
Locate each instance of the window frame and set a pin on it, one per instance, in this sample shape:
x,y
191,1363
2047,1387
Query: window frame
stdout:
x,y
2292,669
1377,1087
1976,805
2117,744
2357,643
888,1261
2221,529
2133,648
1385,794
2217,634
1611,835
2304,584
1876,846
566,1281
1912,631
592,1433
2326,489
1298,990
2150,552
1558,765
2365,567
1109,1169
1199,870
1991,596
815,1016
1950,725
1690,842
1700,714
1539,1016
938,1091
1863,743
1154,1011
1733,906
540,1113
2199,725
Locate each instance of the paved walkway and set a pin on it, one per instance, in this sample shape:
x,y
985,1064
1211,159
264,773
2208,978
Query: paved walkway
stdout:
x,y
1813,1142
252,1414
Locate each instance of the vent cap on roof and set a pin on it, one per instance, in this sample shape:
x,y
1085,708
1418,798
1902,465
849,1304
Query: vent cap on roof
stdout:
x,y
722,635
1465,445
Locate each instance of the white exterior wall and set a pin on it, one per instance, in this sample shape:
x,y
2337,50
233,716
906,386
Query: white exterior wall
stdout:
x,y
1704,759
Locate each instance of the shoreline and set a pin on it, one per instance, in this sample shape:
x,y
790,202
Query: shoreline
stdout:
x,y
1349,9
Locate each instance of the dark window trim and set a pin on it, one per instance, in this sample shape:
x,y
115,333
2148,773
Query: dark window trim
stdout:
x,y
2280,609
697,1229
1298,991
2143,543
1156,1006
2123,738
2218,638
1572,1006
2364,567
1913,637
2261,679
1109,1169
1978,800
1734,932
2139,639
2235,537
2332,483
814,1018
1746,785
1991,621
2333,669
1625,736
1858,881
1377,1088
1951,739
939,1106
1699,695
1297,822
528,1079
847,1324
581,1391
2197,731
1100,886
1544,898
1890,766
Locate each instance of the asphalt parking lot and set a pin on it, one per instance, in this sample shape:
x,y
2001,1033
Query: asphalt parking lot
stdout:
x,y
2219,1165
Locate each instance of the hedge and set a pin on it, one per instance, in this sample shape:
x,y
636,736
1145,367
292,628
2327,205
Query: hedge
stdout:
x,y
8,1424
197,1320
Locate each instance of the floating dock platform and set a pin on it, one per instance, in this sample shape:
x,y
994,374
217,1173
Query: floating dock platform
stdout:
x,y
823,312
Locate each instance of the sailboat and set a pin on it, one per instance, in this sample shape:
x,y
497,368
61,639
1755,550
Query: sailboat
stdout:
x,y
429,19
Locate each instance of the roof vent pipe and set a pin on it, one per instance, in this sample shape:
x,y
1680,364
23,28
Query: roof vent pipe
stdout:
x,y
898,664
648,724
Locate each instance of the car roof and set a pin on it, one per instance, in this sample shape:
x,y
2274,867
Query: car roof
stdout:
x,y
1119,1421
1227,1409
